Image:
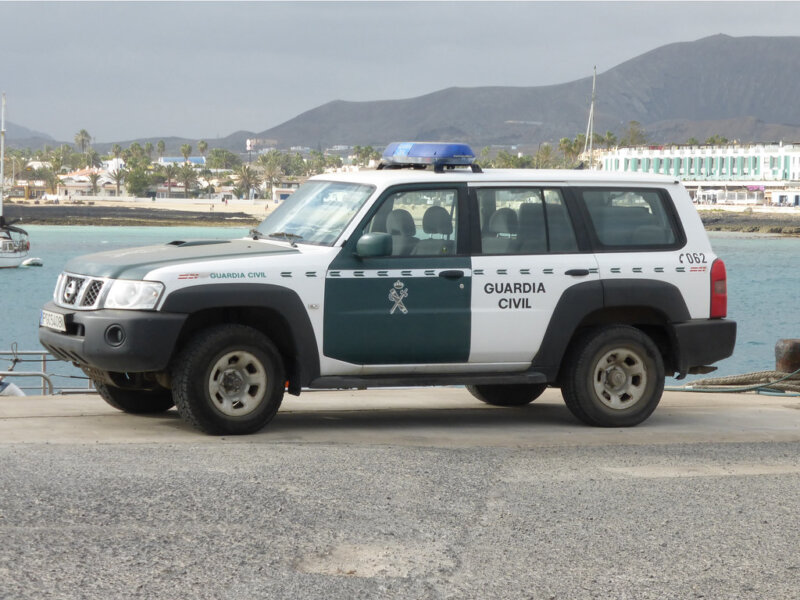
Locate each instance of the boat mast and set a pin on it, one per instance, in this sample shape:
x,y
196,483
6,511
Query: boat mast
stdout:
x,y
2,153
587,145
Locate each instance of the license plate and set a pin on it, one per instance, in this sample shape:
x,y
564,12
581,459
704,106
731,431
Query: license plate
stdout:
x,y
53,320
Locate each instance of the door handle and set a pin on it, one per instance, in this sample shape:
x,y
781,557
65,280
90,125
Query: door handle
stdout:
x,y
577,272
451,274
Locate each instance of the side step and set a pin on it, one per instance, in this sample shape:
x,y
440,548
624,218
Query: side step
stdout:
x,y
425,380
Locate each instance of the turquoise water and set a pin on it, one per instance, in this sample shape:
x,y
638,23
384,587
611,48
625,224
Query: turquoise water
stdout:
x,y
762,283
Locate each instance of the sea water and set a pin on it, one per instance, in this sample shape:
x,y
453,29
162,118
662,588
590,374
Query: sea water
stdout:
x,y
763,283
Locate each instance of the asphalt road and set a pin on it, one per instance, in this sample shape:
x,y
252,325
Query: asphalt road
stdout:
x,y
402,494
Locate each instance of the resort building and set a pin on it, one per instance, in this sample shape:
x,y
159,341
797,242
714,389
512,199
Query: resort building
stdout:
x,y
775,164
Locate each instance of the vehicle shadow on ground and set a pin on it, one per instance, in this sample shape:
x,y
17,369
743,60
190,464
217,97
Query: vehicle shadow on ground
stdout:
x,y
423,418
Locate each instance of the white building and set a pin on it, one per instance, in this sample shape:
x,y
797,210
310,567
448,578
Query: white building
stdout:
x,y
775,164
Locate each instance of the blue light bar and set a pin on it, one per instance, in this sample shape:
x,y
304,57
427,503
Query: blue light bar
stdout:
x,y
428,153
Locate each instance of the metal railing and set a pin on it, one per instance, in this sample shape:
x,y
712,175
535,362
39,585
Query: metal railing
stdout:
x,y
45,362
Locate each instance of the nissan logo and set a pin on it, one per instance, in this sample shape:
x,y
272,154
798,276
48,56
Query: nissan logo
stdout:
x,y
70,291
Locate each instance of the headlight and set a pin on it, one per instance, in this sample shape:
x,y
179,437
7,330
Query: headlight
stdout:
x,y
139,295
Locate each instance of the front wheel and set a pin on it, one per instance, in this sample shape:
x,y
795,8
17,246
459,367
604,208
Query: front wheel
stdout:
x,y
507,395
137,402
613,377
228,379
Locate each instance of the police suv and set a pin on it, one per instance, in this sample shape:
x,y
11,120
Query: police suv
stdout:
x,y
424,272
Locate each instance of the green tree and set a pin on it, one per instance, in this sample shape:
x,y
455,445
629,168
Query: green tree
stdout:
x,y
545,157
634,136
161,147
186,150
83,139
137,181
94,179
271,165
118,176
188,177
246,179
170,173
116,150
716,140
219,158
202,148
316,162
148,150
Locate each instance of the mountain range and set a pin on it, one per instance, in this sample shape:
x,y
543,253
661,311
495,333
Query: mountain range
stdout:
x,y
744,89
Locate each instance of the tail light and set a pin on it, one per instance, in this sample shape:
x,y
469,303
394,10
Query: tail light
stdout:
x,y
719,290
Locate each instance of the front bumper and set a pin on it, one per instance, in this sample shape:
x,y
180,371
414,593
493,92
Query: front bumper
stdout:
x,y
124,341
703,342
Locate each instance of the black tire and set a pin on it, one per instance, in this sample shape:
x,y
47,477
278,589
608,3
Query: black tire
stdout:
x,y
508,395
228,380
613,377
137,402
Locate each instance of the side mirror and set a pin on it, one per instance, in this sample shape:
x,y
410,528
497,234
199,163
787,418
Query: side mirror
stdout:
x,y
374,244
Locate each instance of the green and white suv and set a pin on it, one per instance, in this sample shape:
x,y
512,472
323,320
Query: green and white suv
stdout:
x,y
505,281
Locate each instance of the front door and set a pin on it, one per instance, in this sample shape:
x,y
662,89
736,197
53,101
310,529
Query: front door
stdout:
x,y
411,306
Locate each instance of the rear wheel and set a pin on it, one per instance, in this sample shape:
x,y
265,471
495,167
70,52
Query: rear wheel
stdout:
x,y
228,379
507,395
136,401
613,377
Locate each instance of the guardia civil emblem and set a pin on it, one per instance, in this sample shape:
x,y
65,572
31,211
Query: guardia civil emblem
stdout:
x,y
397,294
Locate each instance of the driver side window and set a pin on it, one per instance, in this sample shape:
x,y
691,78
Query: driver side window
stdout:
x,y
421,222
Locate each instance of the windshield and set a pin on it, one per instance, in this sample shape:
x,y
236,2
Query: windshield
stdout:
x,y
316,213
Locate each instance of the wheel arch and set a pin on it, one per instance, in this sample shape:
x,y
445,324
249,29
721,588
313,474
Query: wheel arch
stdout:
x,y
651,306
275,311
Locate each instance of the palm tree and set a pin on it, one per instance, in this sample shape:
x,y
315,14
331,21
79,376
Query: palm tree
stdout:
x,y
270,164
116,150
247,179
118,176
83,139
202,147
186,150
161,147
170,172
148,149
188,177
93,159
93,179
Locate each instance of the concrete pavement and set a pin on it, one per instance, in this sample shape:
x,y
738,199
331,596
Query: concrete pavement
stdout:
x,y
441,417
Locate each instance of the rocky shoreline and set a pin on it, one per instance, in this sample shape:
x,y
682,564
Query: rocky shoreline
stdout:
x,y
749,221
124,216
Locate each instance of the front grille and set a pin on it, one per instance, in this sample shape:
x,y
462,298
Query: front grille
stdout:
x,y
78,292
92,293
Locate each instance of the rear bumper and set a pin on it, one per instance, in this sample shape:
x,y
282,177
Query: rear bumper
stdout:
x,y
146,343
703,342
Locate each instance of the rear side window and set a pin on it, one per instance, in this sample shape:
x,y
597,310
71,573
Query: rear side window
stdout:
x,y
631,218
518,220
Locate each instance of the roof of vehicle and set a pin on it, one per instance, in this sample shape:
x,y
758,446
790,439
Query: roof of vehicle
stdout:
x,y
385,178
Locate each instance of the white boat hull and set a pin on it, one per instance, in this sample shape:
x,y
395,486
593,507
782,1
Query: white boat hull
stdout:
x,y
10,261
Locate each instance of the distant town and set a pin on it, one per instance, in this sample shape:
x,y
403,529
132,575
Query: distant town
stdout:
x,y
715,171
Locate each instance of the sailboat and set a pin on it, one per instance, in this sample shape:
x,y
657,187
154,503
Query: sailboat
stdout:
x,y
14,244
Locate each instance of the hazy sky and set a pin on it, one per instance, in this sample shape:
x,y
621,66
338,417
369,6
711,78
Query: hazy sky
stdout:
x,y
125,70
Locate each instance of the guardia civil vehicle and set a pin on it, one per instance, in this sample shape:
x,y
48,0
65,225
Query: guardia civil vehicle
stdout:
x,y
427,271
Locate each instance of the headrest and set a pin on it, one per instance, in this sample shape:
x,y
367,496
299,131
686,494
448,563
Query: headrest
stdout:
x,y
504,220
437,220
400,222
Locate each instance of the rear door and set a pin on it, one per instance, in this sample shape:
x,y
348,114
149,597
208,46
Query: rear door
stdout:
x,y
527,256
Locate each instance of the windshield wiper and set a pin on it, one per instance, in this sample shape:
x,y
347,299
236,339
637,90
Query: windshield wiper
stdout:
x,y
289,237
255,233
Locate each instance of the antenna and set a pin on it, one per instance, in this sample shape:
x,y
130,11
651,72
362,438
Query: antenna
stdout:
x,y
587,145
